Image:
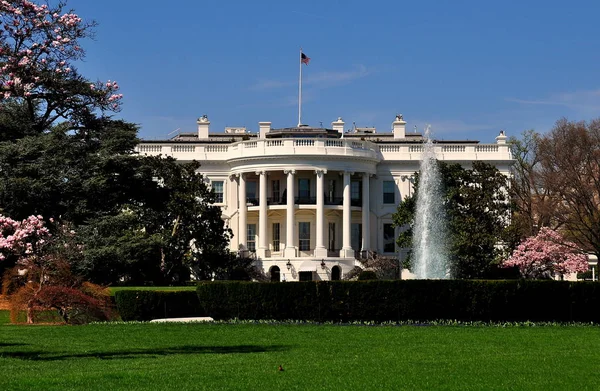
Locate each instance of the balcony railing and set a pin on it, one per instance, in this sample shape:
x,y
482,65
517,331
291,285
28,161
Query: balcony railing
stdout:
x,y
276,201
306,200
334,200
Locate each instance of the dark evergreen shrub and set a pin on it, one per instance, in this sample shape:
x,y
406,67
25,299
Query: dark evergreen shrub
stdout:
x,y
387,300
144,305
367,275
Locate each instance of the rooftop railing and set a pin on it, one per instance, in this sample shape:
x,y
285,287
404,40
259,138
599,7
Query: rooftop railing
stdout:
x,y
323,147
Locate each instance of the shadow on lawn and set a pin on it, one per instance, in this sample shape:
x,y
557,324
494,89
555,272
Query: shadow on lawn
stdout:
x,y
137,353
4,344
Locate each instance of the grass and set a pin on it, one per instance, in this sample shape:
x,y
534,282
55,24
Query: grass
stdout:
x,y
323,357
4,317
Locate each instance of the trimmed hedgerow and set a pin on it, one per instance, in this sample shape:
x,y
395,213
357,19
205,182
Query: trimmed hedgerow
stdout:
x,y
463,300
367,275
155,304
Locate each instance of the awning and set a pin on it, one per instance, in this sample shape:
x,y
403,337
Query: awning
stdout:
x,y
308,266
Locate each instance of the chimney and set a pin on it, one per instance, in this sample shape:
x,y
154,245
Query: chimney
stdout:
x,y
338,125
399,126
501,138
203,125
264,128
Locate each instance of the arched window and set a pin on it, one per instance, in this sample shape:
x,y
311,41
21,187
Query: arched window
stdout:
x,y
275,274
336,273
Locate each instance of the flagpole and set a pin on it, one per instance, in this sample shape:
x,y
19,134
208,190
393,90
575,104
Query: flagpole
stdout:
x,y
300,91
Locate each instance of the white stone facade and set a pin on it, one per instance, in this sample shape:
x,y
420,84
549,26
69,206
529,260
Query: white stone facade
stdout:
x,y
315,199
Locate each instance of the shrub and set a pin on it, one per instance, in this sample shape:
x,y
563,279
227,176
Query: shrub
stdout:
x,y
144,305
423,300
367,275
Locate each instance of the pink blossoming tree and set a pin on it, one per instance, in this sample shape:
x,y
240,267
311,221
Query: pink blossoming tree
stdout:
x,y
547,254
39,46
42,278
22,239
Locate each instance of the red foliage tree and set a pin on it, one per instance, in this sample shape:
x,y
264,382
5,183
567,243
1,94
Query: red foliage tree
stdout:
x,y
42,278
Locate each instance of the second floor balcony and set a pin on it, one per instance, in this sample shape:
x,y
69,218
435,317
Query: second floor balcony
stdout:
x,y
331,201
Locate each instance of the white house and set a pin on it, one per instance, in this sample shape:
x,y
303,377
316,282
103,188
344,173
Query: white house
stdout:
x,y
308,201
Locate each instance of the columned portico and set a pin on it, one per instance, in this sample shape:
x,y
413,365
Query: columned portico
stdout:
x,y
243,211
261,251
366,229
346,251
312,228
320,250
290,250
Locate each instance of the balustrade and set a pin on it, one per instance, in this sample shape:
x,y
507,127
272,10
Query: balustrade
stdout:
x,y
316,146
183,148
486,148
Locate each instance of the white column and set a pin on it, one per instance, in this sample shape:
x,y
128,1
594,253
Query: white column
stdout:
x,y
261,251
320,250
290,250
242,211
366,218
346,251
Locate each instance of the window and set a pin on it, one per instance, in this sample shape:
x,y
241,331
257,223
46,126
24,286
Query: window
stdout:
x,y
356,236
304,236
276,236
389,192
217,187
355,190
304,188
331,237
389,238
251,237
275,190
251,193
331,192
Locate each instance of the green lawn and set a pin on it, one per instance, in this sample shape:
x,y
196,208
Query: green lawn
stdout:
x,y
4,317
208,356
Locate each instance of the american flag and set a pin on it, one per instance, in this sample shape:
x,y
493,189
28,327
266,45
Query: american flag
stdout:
x,y
304,59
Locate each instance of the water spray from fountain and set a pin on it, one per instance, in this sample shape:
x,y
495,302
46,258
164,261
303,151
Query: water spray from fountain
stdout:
x,y
430,233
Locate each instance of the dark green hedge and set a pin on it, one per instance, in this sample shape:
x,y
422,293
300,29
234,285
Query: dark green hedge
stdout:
x,y
342,301
148,304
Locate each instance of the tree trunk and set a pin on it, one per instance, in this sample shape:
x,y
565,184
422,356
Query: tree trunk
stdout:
x,y
30,312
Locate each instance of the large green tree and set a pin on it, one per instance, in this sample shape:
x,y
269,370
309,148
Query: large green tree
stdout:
x,y
181,211
64,157
478,212
170,230
69,176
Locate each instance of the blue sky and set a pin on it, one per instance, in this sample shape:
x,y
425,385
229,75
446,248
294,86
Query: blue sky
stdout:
x,y
468,68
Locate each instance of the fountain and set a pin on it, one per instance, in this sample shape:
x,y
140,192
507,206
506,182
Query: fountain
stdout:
x,y
430,259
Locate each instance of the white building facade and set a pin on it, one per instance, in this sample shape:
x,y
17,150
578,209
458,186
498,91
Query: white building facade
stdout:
x,y
307,202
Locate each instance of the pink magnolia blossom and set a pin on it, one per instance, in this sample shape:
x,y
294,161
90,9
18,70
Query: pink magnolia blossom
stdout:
x,y
37,42
547,254
22,238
